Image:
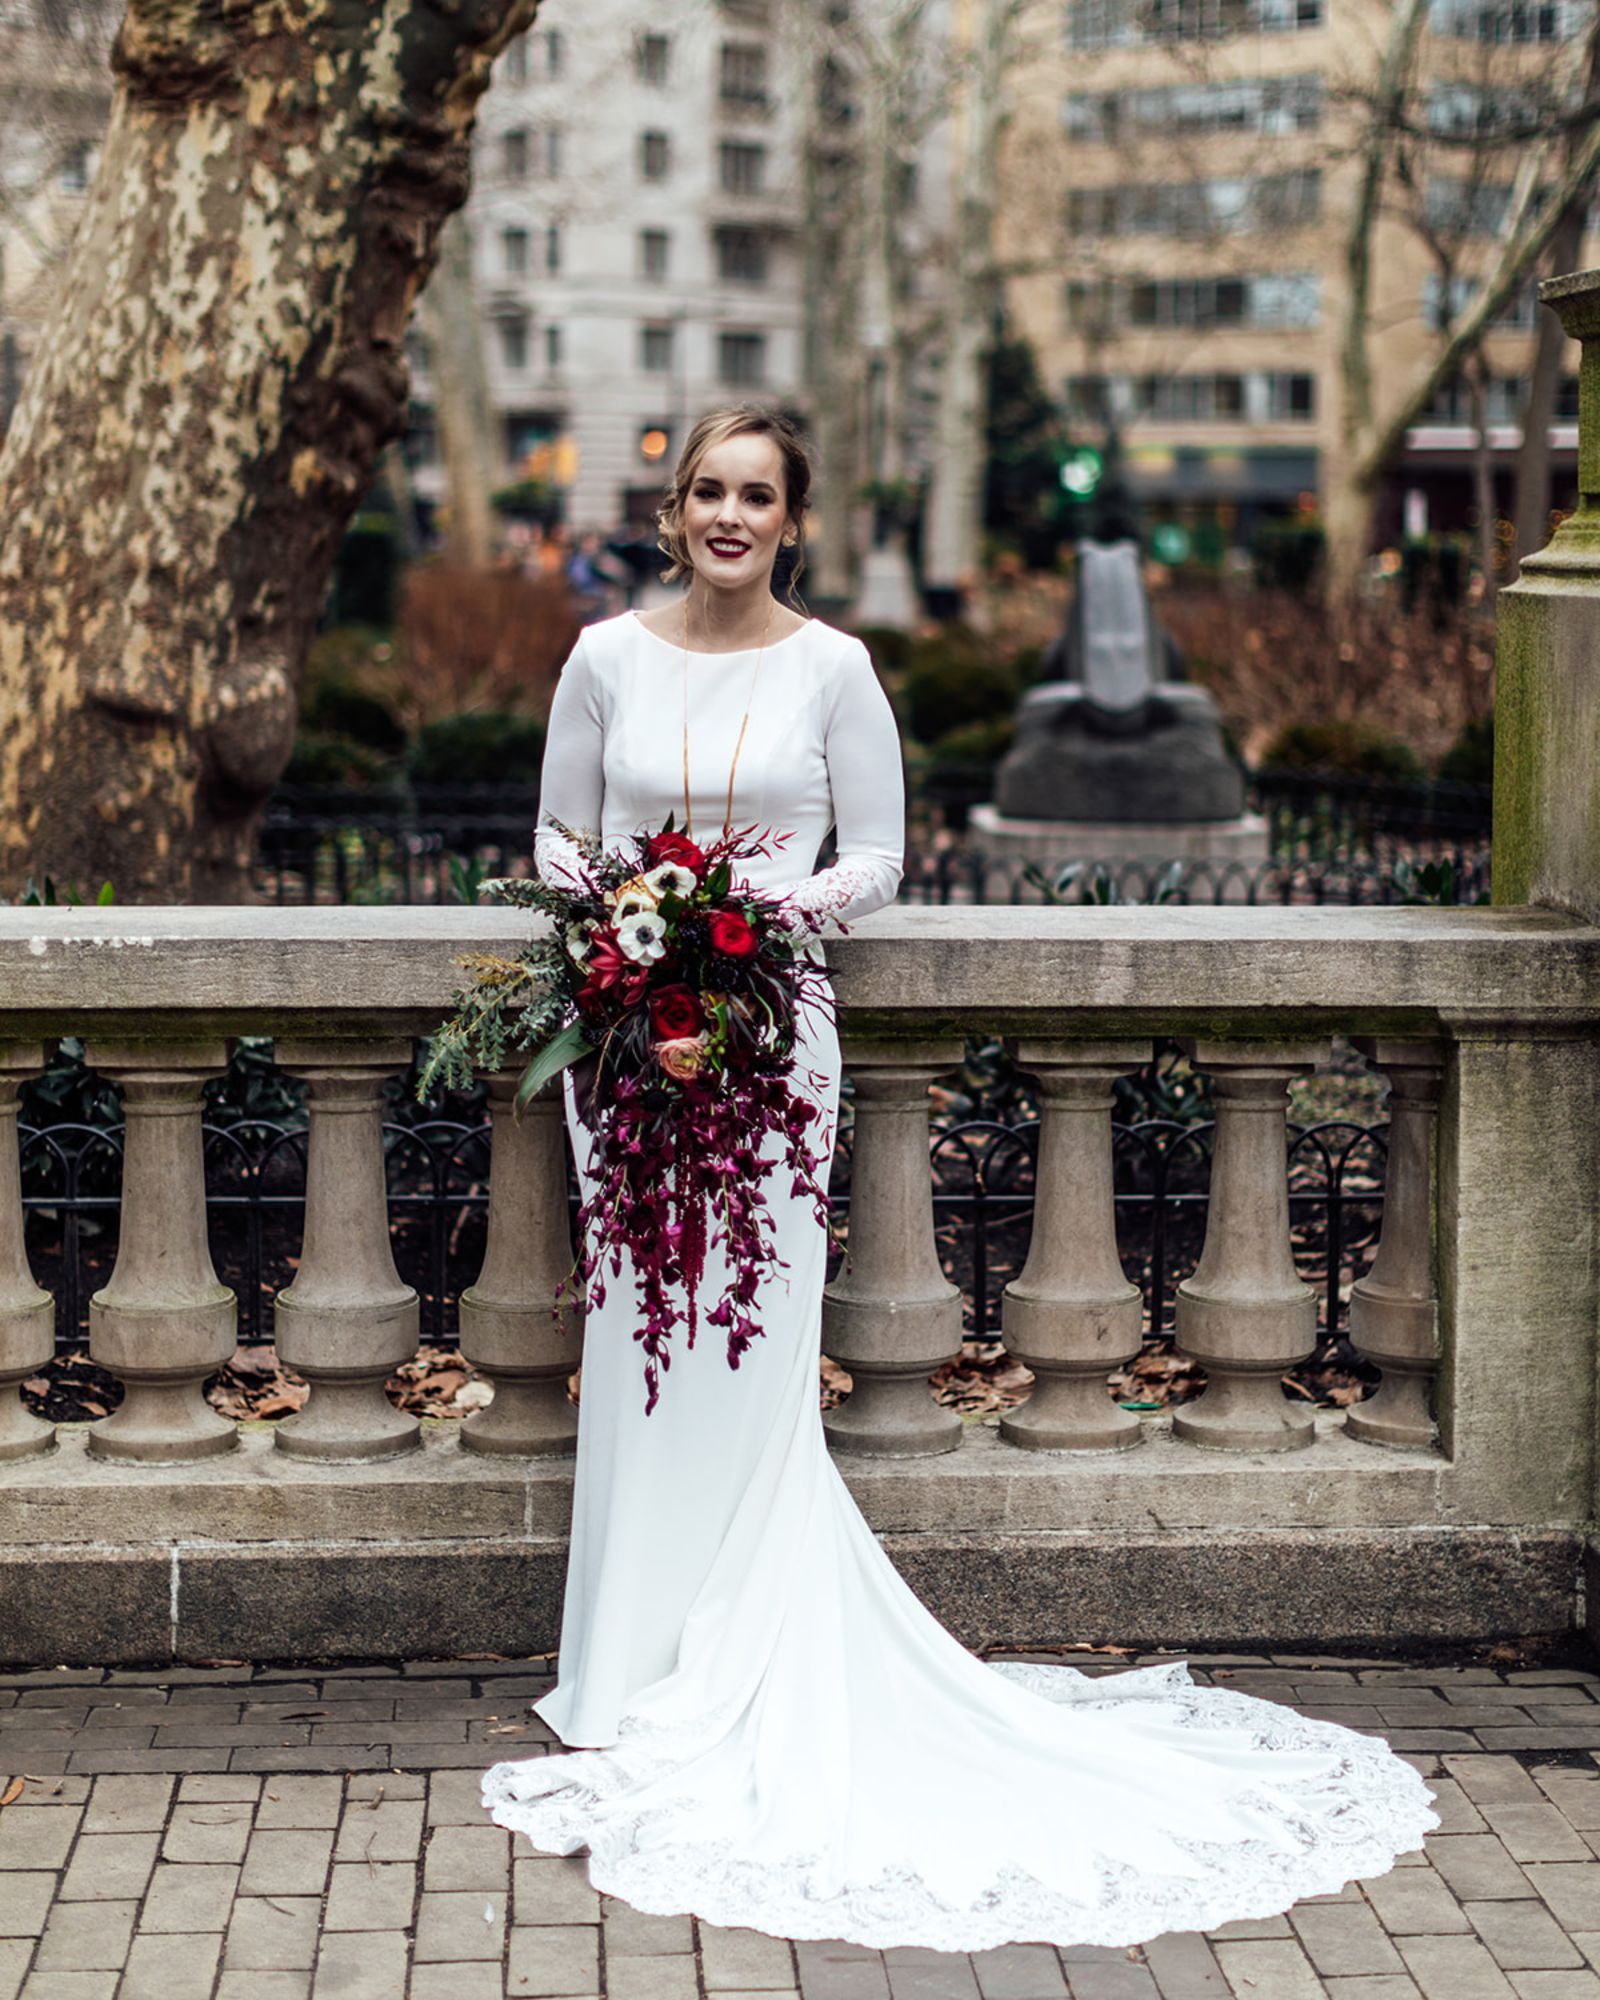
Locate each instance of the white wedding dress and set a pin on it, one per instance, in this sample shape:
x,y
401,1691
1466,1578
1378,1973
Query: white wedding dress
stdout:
x,y
782,1736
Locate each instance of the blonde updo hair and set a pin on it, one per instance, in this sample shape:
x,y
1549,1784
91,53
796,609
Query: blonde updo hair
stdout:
x,y
715,428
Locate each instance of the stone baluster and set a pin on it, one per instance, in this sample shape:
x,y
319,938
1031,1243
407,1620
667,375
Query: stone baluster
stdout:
x,y
1071,1316
507,1326
1394,1310
347,1321
27,1315
164,1321
891,1316
1245,1315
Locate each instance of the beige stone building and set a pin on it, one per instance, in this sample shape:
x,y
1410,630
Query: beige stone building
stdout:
x,y
1178,199
55,93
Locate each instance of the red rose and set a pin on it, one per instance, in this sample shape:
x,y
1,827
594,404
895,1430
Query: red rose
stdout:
x,y
731,934
675,1013
676,847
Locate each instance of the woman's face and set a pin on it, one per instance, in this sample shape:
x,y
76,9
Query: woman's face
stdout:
x,y
736,510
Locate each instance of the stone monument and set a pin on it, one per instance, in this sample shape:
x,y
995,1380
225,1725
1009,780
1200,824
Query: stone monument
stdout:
x,y
1115,760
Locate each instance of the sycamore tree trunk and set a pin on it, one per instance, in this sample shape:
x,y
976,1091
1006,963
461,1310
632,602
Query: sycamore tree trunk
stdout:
x,y
953,532
463,409
223,366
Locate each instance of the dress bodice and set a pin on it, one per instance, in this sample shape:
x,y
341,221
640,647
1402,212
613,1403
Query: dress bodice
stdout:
x,y
821,749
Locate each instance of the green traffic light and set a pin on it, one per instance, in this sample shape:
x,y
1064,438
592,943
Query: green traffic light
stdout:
x,y
1081,470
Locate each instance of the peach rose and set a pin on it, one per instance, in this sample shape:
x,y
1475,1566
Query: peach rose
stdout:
x,y
682,1058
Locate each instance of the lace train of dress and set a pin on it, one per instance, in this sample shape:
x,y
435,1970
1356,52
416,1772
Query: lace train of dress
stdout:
x,y
785,1738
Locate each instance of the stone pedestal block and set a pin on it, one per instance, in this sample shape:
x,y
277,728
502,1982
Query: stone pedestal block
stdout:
x,y
1071,1315
347,1321
891,1316
508,1328
1245,1315
27,1315
164,1322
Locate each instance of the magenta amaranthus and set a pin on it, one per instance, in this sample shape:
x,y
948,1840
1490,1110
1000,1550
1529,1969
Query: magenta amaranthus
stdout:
x,y
674,995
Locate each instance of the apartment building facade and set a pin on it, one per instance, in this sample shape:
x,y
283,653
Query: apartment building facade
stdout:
x,y
637,189
1203,172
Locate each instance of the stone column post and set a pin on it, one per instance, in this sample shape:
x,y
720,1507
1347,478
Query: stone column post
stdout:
x,y
1547,684
507,1326
1245,1315
27,1315
1394,1310
891,1316
347,1322
1071,1316
164,1322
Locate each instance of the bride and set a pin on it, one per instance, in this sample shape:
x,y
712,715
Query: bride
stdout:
x,y
764,1725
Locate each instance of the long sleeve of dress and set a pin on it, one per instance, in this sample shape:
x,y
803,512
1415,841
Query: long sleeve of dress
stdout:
x,y
867,779
572,780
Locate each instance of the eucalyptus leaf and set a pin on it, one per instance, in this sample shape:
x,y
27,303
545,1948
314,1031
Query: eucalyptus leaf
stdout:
x,y
567,1047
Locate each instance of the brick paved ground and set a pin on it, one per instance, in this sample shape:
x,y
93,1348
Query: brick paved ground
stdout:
x,y
279,1834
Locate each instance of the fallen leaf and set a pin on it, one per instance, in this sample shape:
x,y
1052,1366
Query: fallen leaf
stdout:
x,y
12,1791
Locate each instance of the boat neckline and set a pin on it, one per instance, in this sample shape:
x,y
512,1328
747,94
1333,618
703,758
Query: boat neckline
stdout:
x,y
731,653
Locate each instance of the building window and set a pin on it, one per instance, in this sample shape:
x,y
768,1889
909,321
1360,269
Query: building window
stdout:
x,y
742,359
421,444
655,349
655,253
743,167
554,52
1104,24
1509,20
1466,208
1197,208
1276,301
514,154
514,252
513,341
1291,398
552,347
744,75
652,57
416,351
552,249
1442,306
1504,401
742,256
655,156
1271,105
516,60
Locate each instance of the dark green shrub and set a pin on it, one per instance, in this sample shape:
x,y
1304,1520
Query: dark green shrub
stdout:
x,y
478,749
974,743
890,650
366,573
338,709
1287,555
1355,748
1470,759
952,681
323,758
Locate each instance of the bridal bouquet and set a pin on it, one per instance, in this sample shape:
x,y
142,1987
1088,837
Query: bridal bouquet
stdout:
x,y
674,995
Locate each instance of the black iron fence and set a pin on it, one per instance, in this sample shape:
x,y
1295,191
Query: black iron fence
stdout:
x,y
1334,839
438,1169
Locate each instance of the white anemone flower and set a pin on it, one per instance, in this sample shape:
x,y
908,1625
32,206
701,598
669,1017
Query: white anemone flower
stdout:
x,y
642,937
633,897
578,944
670,878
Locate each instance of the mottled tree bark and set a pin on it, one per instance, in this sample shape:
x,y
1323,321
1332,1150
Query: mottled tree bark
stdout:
x,y
224,364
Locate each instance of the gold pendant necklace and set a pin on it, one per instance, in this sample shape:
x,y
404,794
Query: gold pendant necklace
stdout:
x,y
727,816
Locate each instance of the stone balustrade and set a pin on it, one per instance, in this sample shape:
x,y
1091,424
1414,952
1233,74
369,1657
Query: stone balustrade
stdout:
x,y
1458,1500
